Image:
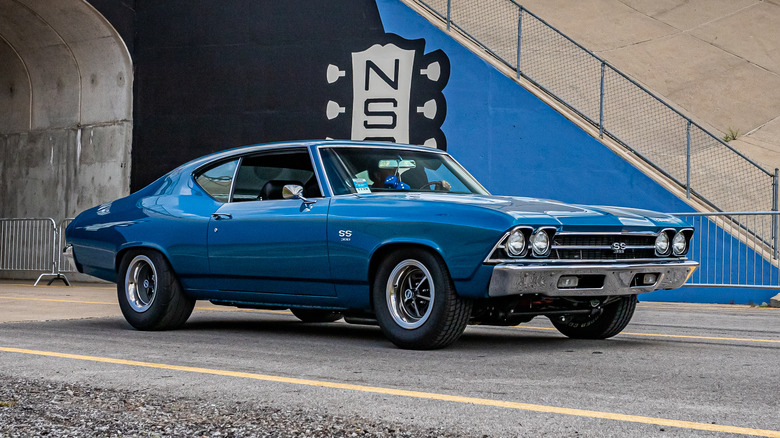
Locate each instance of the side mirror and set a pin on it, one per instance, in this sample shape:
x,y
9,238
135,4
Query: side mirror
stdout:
x,y
294,191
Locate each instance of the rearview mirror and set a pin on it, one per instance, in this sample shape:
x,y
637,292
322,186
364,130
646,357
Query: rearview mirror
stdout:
x,y
397,164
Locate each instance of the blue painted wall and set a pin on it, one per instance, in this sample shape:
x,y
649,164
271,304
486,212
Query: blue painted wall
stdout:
x,y
517,145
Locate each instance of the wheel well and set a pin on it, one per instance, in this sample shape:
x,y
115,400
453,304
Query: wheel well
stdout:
x,y
382,252
121,255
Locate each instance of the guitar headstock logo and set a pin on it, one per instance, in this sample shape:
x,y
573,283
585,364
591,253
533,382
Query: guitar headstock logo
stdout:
x,y
391,91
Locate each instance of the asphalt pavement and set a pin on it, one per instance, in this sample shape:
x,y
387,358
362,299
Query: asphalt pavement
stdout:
x,y
677,369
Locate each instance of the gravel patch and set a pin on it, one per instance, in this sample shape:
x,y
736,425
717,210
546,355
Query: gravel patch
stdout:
x,y
39,408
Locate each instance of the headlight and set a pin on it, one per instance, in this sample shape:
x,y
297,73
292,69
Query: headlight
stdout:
x,y
515,244
679,244
662,243
540,242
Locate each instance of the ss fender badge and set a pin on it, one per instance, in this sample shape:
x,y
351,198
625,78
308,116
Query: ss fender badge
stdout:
x,y
345,235
619,247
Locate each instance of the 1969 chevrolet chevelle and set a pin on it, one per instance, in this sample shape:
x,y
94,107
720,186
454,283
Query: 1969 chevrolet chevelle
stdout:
x,y
401,236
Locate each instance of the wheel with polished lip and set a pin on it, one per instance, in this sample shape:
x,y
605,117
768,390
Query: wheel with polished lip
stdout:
x,y
149,293
415,301
611,321
316,315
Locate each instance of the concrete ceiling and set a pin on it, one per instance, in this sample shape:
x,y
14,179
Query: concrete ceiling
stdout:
x,y
61,65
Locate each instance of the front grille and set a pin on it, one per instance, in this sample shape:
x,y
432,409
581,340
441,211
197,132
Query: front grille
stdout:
x,y
601,254
602,240
601,247
570,247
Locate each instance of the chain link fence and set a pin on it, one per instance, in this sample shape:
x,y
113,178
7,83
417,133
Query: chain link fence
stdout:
x,y
695,159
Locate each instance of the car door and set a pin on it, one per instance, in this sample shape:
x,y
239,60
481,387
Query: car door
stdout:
x,y
260,242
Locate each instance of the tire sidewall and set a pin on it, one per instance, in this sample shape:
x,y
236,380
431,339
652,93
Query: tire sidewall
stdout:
x,y
151,318
426,334
609,323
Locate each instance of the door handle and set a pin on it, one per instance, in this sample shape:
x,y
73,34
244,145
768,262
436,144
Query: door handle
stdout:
x,y
219,216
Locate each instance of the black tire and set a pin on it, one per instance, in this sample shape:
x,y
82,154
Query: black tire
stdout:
x,y
425,317
149,293
316,315
610,322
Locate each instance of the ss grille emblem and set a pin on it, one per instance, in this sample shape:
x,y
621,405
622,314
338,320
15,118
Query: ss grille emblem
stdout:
x,y
619,247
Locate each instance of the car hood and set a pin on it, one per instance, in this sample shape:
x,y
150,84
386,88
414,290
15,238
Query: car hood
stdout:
x,y
549,212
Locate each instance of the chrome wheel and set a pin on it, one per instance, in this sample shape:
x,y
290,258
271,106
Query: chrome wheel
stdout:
x,y
141,283
410,294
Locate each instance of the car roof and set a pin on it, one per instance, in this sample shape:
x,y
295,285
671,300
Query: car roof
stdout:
x,y
242,150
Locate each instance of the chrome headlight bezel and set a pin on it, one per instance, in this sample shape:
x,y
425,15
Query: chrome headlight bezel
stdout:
x,y
541,243
662,244
516,244
679,244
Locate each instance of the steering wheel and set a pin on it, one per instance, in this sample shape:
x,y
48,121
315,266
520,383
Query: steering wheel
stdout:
x,y
442,185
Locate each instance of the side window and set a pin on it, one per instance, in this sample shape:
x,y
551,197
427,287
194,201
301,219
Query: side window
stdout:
x,y
262,177
216,180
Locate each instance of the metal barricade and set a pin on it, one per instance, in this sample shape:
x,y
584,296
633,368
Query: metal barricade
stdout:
x,y
735,249
30,244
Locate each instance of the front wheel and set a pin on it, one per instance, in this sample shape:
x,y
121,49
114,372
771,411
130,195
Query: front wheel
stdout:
x,y
415,301
611,321
149,293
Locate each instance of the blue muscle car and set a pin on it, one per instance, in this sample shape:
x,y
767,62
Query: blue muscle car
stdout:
x,y
396,235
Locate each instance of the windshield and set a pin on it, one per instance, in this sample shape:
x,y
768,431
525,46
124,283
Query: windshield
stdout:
x,y
376,169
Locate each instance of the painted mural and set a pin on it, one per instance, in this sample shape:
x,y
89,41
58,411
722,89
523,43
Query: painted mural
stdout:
x,y
391,91
208,79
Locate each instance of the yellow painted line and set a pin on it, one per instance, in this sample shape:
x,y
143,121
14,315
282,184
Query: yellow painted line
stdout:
x,y
55,301
415,394
709,338
659,335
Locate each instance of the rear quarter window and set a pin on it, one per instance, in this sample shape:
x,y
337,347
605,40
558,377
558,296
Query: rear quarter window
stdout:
x,y
216,180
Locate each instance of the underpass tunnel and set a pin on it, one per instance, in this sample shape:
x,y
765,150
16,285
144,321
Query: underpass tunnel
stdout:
x,y
65,109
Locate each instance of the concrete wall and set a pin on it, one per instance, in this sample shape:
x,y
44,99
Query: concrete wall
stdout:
x,y
59,172
65,109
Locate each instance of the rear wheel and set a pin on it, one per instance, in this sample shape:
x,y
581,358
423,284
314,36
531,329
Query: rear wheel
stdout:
x,y
149,293
415,301
611,321
316,315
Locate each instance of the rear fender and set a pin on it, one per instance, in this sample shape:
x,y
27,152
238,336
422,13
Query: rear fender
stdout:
x,y
127,247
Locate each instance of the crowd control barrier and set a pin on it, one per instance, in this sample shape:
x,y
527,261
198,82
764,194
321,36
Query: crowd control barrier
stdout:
x,y
32,244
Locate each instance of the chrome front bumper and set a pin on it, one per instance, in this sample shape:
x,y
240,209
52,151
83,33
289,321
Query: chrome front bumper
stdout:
x,y
614,279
